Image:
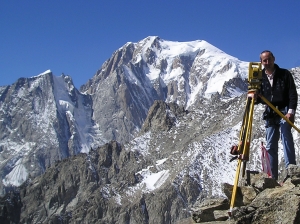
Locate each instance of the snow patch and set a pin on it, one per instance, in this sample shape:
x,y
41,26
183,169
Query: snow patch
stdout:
x,y
17,176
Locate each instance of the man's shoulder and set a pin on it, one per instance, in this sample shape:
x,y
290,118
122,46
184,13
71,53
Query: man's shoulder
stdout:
x,y
282,71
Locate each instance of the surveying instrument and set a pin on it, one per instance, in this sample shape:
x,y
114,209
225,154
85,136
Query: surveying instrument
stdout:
x,y
241,151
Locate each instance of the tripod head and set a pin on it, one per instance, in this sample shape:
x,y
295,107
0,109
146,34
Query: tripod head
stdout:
x,y
255,76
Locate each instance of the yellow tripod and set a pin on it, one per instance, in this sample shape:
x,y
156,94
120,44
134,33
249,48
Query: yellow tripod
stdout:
x,y
242,151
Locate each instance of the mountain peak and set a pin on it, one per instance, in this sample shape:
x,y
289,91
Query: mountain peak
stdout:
x,y
45,72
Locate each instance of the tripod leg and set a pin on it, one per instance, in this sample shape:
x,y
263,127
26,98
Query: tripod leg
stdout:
x,y
235,184
244,126
245,136
246,151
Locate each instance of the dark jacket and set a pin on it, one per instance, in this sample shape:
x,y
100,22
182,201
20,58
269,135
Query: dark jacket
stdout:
x,y
283,92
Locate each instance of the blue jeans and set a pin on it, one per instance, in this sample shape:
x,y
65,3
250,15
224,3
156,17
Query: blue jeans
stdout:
x,y
275,128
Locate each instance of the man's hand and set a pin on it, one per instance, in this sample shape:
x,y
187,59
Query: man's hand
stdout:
x,y
291,117
253,94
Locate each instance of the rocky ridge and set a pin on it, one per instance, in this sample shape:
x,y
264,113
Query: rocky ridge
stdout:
x,y
48,197
263,200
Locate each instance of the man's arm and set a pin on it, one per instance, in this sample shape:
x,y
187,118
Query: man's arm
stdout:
x,y
293,96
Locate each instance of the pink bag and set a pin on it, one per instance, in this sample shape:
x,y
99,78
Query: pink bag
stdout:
x,y
265,161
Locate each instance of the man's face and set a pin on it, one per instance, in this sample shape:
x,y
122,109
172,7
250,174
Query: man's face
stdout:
x,y
267,60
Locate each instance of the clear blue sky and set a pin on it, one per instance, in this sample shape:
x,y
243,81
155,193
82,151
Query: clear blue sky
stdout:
x,y
76,37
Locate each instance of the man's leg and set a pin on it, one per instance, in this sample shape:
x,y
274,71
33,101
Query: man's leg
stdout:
x,y
288,143
272,138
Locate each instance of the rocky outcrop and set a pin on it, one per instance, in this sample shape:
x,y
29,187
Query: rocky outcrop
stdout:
x,y
231,86
263,201
78,189
59,196
10,208
99,187
162,116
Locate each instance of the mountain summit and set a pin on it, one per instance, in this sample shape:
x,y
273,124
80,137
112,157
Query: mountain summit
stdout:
x,y
127,84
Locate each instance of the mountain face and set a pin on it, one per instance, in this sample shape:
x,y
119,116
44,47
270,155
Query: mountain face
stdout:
x,y
127,84
174,109
43,119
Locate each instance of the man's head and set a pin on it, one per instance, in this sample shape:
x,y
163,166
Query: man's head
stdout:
x,y
267,59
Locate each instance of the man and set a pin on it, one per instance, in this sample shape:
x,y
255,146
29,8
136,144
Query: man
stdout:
x,y
279,88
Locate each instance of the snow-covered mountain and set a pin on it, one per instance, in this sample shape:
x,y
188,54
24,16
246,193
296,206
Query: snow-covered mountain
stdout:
x,y
176,107
127,84
43,119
